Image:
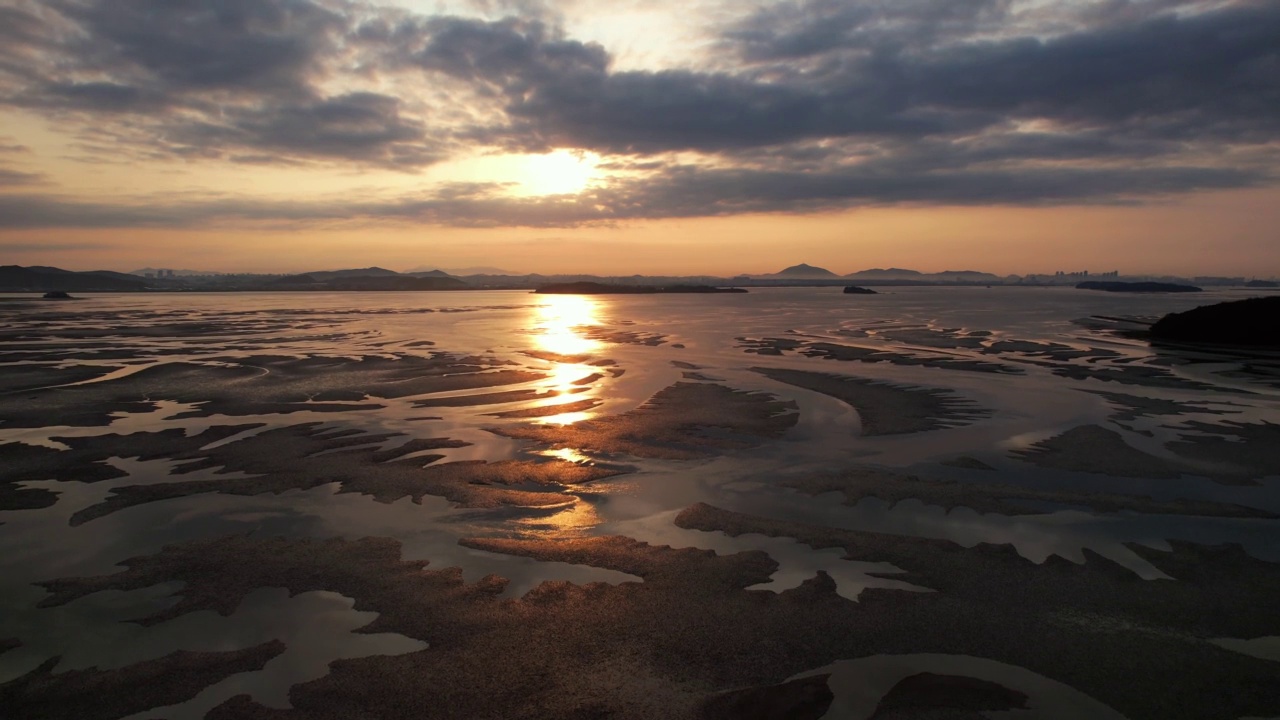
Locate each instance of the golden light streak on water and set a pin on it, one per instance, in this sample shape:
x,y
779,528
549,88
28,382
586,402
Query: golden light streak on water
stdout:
x,y
558,330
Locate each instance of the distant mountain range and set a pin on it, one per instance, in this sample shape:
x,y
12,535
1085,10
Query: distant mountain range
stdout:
x,y
946,276
155,272
887,274
804,271
328,275
367,279
461,272
14,278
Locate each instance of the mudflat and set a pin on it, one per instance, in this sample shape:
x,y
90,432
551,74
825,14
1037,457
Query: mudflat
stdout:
x,y
941,502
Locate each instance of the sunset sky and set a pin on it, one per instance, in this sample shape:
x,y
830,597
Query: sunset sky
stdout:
x,y
642,136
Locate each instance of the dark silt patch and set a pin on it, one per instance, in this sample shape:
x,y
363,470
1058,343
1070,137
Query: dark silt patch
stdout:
x,y
507,396
550,410
805,699
256,385
27,377
833,351
863,482
1132,407
1095,449
1050,350
683,421
1142,647
674,644
885,409
770,346
479,484
941,338
1144,375
927,694
110,694
291,458
967,463
15,497
854,353
699,377
623,337
1241,451
85,460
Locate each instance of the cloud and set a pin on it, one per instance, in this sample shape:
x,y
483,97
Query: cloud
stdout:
x,y
915,69
360,127
230,80
268,47
14,177
1214,74
799,30
36,248
674,192
806,104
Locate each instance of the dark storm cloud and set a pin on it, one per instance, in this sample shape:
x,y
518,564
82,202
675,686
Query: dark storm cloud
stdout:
x,y
233,79
689,192
361,127
889,70
1217,73
265,46
562,93
105,97
796,30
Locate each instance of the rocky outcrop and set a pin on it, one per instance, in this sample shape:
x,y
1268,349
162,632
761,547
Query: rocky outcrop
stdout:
x,y
1254,322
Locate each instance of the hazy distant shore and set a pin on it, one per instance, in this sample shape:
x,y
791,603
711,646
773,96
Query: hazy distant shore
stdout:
x,y
43,279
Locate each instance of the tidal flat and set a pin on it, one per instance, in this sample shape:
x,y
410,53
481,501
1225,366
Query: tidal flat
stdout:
x,y
790,503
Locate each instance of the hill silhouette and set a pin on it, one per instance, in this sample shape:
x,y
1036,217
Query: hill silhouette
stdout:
x,y
885,273
14,278
325,275
348,280
1255,322
805,271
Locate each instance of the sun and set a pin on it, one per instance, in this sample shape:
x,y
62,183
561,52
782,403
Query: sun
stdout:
x,y
560,172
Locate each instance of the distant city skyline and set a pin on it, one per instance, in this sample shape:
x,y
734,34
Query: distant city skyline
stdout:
x,y
702,137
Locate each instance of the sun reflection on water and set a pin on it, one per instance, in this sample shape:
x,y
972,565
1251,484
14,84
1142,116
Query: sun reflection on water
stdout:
x,y
558,324
573,520
567,454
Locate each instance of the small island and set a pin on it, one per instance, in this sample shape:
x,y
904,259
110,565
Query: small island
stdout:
x,y
855,290
1254,322
594,288
58,295
1137,287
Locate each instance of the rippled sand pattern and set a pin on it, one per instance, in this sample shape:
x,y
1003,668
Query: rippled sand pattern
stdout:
x,y
792,503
